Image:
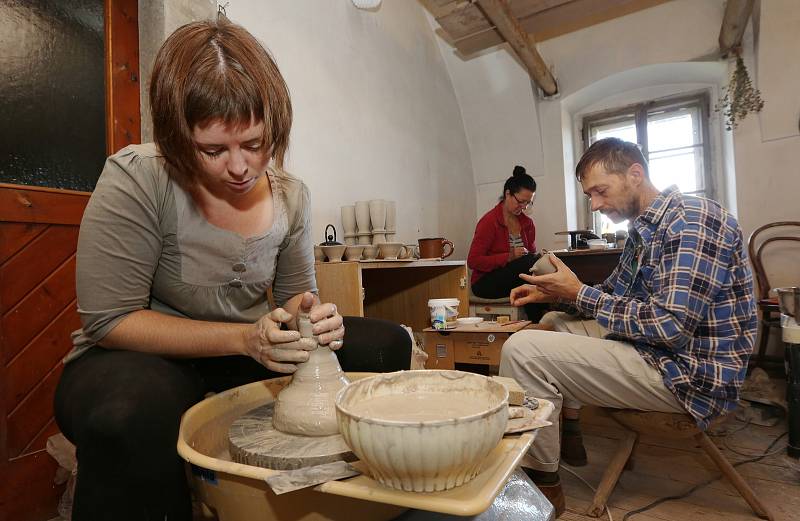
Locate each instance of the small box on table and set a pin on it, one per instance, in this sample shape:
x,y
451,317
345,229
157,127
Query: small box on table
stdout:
x,y
473,344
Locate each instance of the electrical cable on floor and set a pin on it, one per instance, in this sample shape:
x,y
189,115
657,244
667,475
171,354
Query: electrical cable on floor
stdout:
x,y
727,434
588,485
657,502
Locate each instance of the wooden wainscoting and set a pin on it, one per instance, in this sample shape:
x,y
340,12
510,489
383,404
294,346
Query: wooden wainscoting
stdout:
x,y
38,239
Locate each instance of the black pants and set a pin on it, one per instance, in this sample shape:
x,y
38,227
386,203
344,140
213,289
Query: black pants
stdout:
x,y
500,282
122,410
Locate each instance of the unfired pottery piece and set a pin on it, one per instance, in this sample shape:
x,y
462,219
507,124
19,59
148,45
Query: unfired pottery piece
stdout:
x,y
543,266
391,217
334,253
370,252
362,217
349,220
307,405
412,435
353,253
391,250
377,216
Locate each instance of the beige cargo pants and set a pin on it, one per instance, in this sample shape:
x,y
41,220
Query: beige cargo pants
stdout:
x,y
573,365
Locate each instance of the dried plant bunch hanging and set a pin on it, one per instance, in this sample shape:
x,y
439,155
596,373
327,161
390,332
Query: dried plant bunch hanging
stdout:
x,y
740,97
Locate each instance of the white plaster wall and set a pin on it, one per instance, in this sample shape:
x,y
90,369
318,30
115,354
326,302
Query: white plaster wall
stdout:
x,y
157,19
654,51
375,112
499,109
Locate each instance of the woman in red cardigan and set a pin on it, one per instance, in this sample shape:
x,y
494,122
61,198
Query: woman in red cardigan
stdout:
x,y
504,244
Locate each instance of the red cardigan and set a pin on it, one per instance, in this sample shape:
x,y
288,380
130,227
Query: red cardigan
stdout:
x,y
490,248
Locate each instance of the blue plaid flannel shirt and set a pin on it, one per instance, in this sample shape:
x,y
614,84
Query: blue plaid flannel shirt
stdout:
x,y
682,293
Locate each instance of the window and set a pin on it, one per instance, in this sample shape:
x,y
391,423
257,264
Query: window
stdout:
x,y
673,135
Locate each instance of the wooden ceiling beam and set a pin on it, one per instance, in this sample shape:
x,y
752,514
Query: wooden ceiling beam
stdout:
x,y
734,23
499,14
469,19
441,8
558,20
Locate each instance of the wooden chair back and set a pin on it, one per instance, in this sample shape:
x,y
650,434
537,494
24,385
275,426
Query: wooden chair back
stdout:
x,y
758,241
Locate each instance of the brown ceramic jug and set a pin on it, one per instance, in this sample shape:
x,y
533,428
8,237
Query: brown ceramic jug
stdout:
x,y
434,248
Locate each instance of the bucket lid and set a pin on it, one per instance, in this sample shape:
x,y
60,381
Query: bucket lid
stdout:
x,y
443,302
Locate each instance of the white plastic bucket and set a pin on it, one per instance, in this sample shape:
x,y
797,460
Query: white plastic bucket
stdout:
x,y
444,312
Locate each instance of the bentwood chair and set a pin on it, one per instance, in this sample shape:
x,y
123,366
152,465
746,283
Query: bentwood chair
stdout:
x,y
787,233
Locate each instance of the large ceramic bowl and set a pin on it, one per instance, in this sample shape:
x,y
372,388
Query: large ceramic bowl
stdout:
x,y
423,431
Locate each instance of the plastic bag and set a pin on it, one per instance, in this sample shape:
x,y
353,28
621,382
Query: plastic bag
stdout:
x,y
63,452
418,356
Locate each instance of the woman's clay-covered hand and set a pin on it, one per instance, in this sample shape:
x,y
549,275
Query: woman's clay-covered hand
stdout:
x,y
279,350
328,325
276,349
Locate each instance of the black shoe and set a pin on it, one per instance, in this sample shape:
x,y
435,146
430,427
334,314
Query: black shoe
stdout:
x,y
550,485
573,453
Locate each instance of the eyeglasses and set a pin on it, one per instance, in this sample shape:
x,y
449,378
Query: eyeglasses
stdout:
x,y
522,203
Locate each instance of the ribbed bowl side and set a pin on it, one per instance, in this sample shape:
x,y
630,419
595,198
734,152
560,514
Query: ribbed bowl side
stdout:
x,y
423,458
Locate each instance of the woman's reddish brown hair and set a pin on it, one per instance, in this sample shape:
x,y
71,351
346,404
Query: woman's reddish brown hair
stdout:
x,y
215,70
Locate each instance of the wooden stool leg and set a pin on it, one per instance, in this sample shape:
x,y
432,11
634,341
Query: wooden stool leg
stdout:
x,y
612,473
763,331
631,463
734,477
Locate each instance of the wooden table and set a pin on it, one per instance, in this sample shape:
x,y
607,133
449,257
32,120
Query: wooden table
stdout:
x,y
479,344
393,290
591,266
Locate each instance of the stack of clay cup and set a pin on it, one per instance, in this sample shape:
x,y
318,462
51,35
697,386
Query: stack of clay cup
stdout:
x,y
370,223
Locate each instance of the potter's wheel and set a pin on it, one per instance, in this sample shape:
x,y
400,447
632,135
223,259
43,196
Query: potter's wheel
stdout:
x,y
253,440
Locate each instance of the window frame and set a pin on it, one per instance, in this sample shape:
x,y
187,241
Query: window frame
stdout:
x,y
700,100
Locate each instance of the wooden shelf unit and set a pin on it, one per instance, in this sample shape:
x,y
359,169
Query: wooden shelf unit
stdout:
x,y
393,290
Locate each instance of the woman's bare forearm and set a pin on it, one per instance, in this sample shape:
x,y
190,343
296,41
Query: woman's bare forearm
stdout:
x,y
153,332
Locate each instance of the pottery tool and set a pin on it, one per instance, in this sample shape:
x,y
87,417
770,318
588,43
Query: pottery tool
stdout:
x,y
516,394
291,480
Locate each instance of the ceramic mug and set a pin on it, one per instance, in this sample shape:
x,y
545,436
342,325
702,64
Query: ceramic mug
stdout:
x,y
433,248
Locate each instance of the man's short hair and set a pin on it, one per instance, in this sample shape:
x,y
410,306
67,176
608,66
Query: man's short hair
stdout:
x,y
614,154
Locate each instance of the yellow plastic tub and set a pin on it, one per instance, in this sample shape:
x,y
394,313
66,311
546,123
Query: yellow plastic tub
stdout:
x,y
237,492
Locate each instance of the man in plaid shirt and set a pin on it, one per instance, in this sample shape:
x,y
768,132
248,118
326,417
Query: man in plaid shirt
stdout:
x,y
673,326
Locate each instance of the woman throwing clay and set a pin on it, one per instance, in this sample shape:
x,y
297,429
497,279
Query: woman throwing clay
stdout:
x,y
178,247
504,244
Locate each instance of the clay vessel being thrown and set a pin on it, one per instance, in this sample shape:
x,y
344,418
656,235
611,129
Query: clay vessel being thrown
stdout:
x,y
307,405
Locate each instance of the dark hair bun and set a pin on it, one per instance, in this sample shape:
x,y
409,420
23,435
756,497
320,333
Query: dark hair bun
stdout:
x,y
519,170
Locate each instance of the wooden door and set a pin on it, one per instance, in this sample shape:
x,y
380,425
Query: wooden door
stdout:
x,y
38,239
